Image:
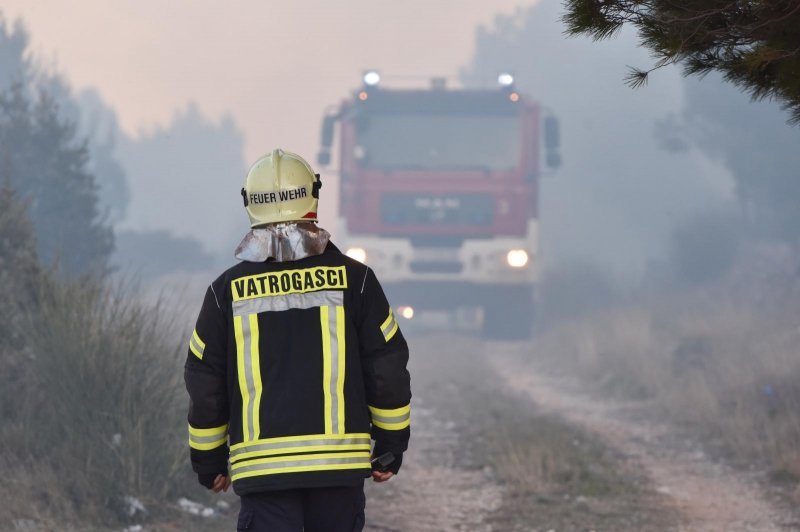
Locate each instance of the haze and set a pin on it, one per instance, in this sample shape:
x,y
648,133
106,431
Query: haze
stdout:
x,y
274,66
193,84
619,353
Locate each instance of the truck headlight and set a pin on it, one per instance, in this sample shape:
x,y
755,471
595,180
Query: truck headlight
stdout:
x,y
406,312
359,254
517,258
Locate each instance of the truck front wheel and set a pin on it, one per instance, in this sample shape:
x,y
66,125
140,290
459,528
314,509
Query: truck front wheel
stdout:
x,y
508,314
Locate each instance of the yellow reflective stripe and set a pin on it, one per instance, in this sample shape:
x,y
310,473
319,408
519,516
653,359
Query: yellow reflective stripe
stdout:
x,y
302,469
197,352
198,340
304,437
208,446
340,332
248,360
207,439
308,449
214,431
303,458
311,462
324,320
392,426
391,333
255,358
237,329
389,327
196,345
391,418
390,412
332,326
388,320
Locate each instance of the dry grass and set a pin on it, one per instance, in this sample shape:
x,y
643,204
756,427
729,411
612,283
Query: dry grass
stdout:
x,y
723,359
556,465
93,410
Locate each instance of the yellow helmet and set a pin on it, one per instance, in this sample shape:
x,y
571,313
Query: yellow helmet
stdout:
x,y
281,187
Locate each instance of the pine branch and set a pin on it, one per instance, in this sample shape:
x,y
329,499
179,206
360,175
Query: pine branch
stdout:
x,y
754,44
636,77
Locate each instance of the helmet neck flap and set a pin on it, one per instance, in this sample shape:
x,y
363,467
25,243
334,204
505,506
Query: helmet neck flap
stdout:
x,y
283,242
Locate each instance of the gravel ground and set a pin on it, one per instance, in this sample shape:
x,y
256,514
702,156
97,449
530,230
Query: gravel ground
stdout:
x,y
474,406
709,494
432,492
439,486
465,420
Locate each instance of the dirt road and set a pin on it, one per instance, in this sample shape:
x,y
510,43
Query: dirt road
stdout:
x,y
708,494
437,488
499,446
478,451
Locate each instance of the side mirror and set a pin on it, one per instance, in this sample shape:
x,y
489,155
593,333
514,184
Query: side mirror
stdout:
x,y
327,131
552,141
552,135
324,157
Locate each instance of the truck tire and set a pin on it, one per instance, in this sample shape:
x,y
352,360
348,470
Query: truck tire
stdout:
x,y
508,314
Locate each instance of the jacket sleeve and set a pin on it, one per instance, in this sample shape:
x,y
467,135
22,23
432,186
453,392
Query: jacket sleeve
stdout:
x,y
205,376
384,357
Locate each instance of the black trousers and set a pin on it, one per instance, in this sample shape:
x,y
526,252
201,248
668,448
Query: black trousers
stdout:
x,y
336,509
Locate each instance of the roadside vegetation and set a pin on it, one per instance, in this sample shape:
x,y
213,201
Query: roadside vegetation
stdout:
x,y
562,478
91,397
91,393
719,358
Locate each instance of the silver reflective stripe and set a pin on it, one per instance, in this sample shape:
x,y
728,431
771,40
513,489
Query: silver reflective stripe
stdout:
x,y
393,419
244,467
332,322
389,327
196,346
295,446
206,439
288,301
333,327
248,373
248,379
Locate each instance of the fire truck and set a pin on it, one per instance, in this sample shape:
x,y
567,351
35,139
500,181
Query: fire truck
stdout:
x,y
439,190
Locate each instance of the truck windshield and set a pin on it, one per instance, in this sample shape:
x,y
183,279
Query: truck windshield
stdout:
x,y
438,142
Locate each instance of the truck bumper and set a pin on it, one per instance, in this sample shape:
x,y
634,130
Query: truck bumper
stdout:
x,y
480,262
447,295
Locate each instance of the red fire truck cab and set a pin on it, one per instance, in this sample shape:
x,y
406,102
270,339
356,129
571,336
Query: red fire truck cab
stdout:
x,y
439,193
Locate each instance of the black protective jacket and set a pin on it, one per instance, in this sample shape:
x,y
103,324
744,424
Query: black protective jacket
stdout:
x,y
292,368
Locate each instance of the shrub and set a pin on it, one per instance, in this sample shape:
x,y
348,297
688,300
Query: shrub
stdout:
x,y
90,392
721,360
97,407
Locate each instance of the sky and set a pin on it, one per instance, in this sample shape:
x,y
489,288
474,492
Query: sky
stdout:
x,y
274,66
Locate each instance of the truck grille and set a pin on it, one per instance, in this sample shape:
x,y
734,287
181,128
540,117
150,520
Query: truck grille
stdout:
x,y
431,266
403,208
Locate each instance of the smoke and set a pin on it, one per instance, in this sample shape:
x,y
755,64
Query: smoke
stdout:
x,y
169,193
14,62
753,141
619,194
185,178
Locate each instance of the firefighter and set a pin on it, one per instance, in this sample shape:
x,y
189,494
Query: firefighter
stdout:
x,y
296,363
